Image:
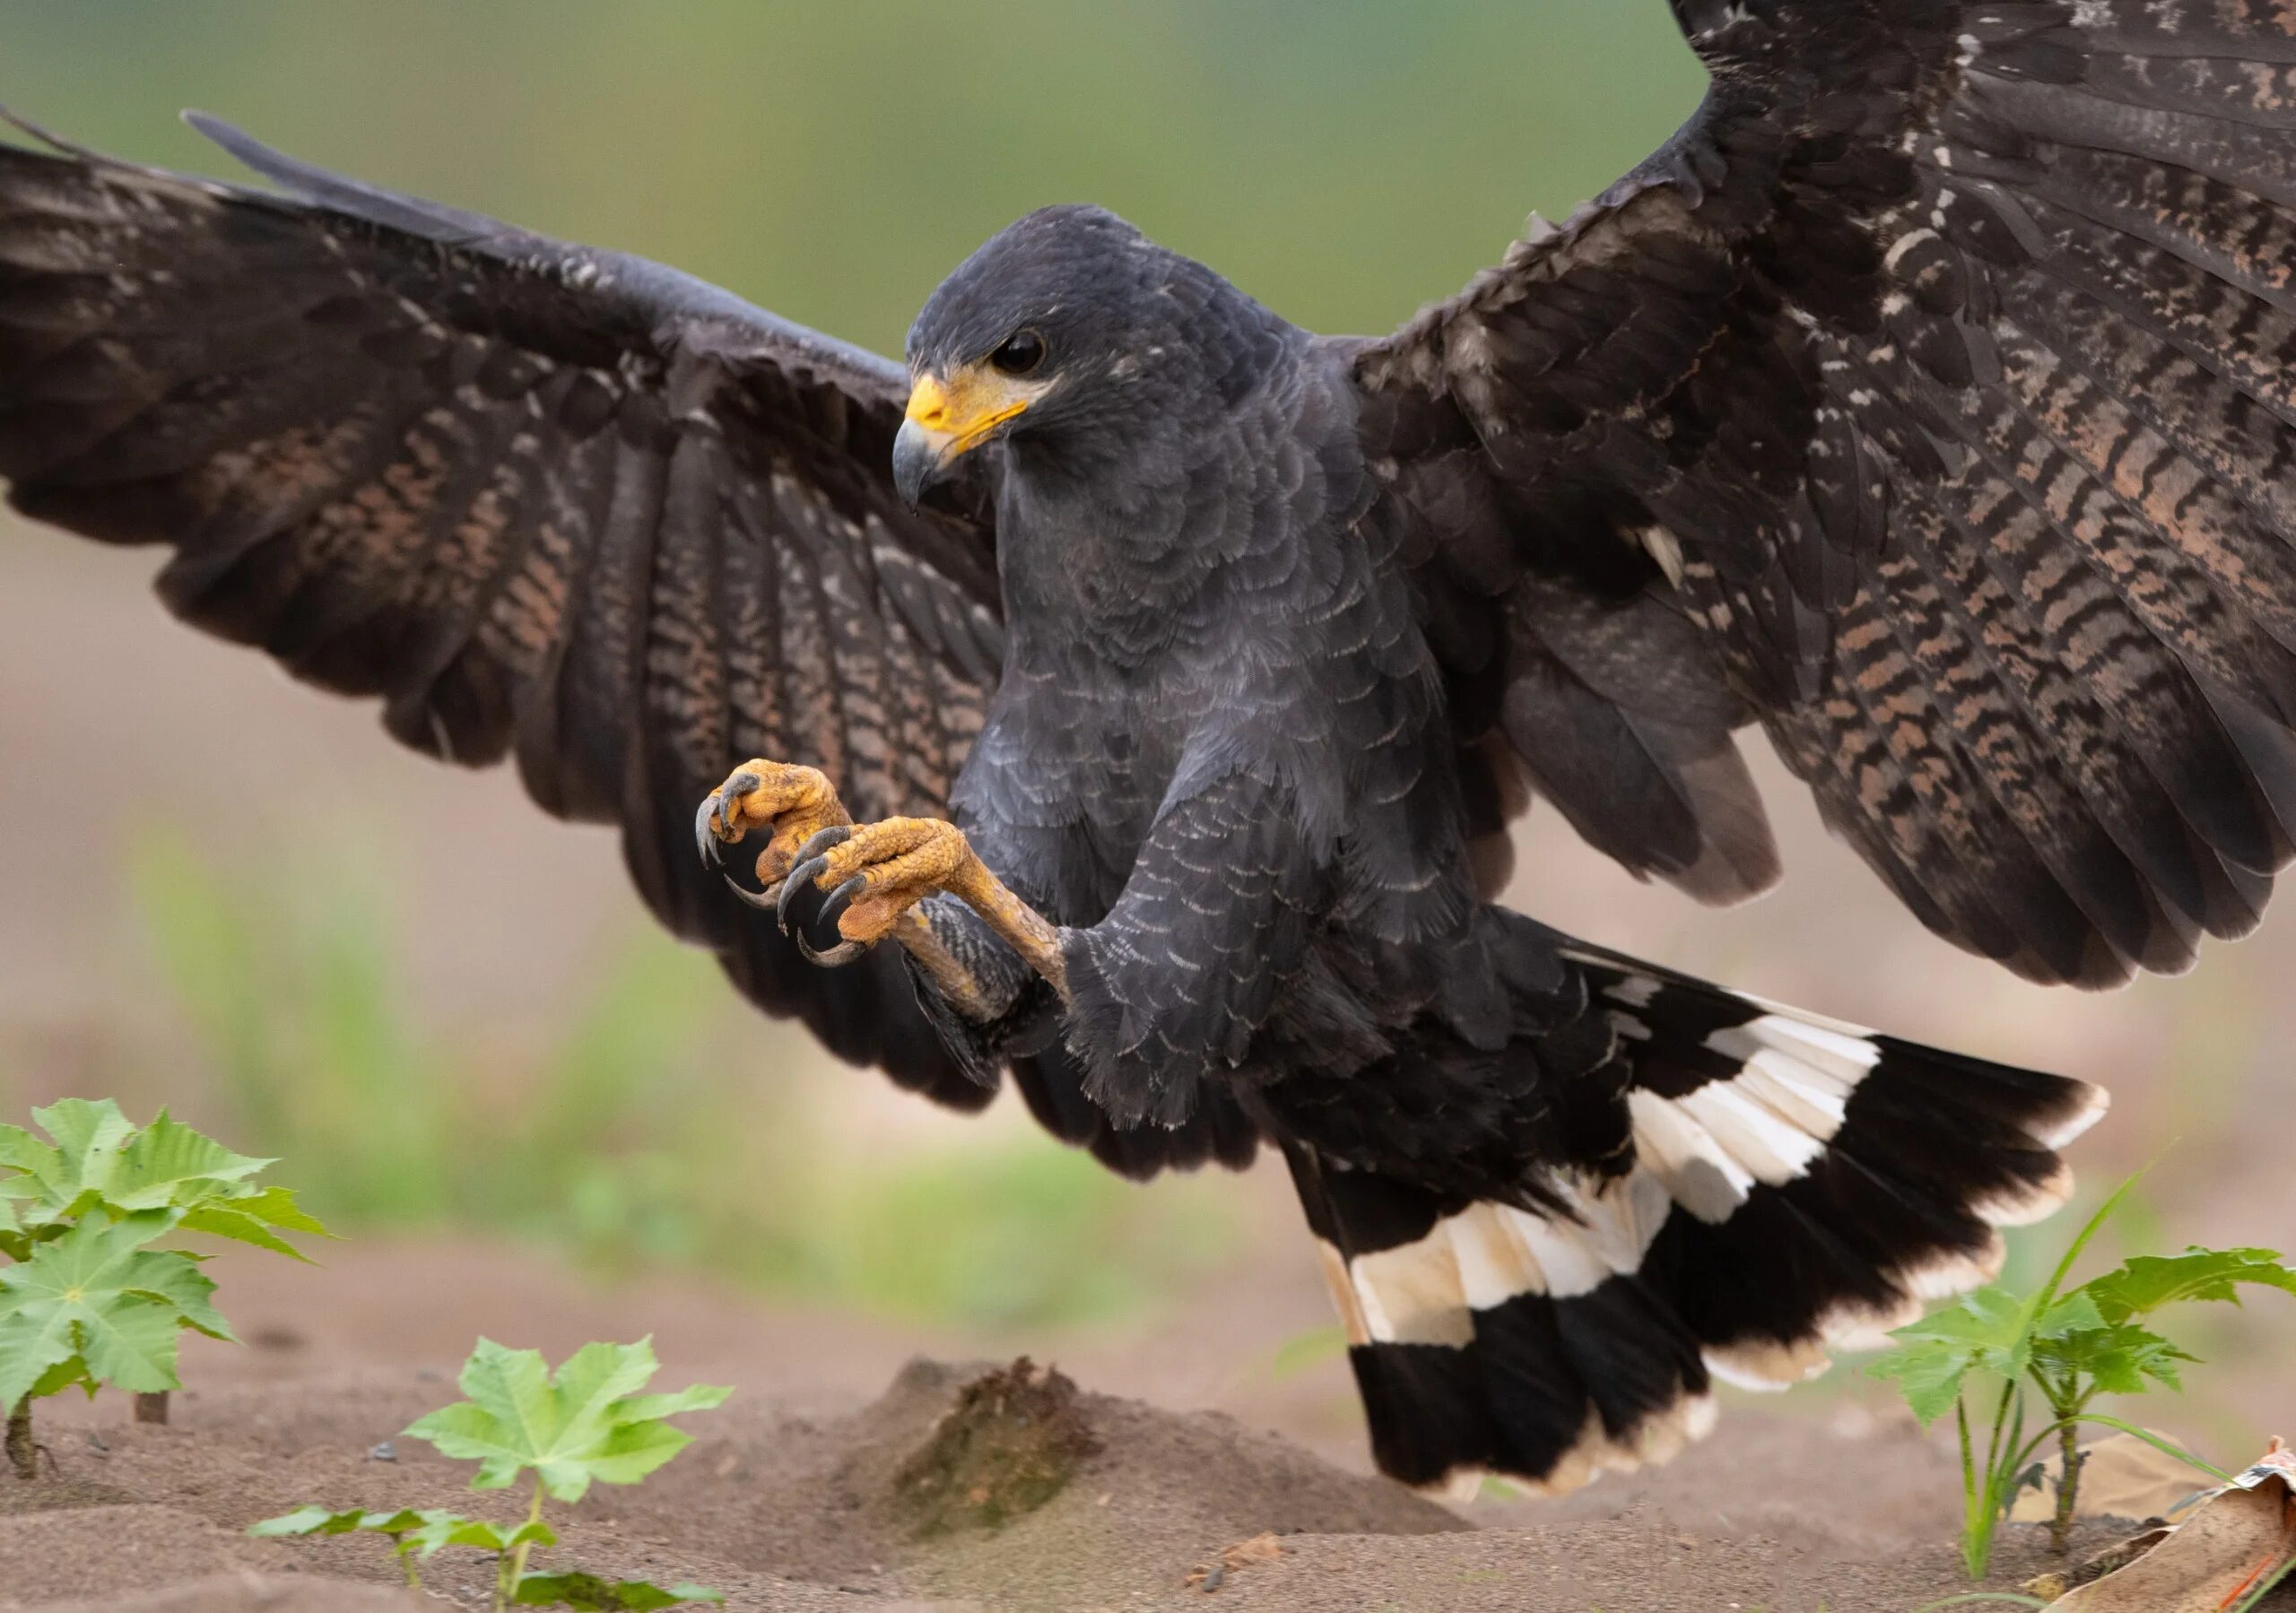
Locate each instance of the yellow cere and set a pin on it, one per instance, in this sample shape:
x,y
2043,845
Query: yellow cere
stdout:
x,y
965,408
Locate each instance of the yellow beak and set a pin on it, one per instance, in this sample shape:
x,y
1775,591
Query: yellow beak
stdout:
x,y
947,419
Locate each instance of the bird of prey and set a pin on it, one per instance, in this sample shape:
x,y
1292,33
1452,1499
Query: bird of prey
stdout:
x,y
1128,696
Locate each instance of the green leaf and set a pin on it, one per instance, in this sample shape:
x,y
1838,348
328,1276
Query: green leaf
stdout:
x,y
584,1425
587,1593
1986,1331
700,1397
634,1450
1928,1373
100,1161
307,1521
169,1163
62,1375
2117,1359
276,1207
317,1521
98,1294
174,1277
441,1529
20,1150
2144,1285
2075,1312
89,1138
250,1218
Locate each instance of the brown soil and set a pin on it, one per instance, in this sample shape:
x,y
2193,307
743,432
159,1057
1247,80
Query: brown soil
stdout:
x,y
799,1495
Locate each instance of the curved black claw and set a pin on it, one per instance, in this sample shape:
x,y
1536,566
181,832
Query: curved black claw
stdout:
x,y
807,914
801,901
764,901
705,839
713,813
838,955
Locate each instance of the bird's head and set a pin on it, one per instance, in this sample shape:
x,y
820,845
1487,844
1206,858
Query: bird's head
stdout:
x,y
1074,330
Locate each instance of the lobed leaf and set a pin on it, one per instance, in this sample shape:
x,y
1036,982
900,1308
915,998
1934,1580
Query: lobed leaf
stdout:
x,y
306,1520
64,1375
2075,1312
2117,1358
88,1138
98,1294
2144,1285
441,1529
317,1521
174,1279
699,1396
584,1425
276,1207
169,1163
100,1161
1929,1374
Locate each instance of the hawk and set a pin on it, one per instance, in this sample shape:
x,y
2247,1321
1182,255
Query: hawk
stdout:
x,y
1140,686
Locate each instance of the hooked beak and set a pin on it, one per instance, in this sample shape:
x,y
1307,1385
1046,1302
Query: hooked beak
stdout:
x,y
919,453
947,419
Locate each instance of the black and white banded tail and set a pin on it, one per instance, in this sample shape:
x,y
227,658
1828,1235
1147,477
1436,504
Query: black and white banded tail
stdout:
x,y
1793,1185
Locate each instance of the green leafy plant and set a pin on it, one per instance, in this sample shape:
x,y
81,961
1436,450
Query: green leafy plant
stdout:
x,y
2063,1347
411,1533
85,1300
586,1422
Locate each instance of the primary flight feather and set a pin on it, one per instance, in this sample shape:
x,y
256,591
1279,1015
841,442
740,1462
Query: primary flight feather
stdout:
x,y
1138,687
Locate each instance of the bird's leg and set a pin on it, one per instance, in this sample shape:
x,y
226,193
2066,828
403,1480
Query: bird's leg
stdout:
x,y
839,889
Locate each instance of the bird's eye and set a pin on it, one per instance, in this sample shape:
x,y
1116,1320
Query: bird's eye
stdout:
x,y
1021,354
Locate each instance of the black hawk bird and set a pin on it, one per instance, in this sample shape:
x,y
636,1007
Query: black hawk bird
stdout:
x,y
1159,678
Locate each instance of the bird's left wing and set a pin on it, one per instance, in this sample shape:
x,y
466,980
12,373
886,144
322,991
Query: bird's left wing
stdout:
x,y
1928,399
546,502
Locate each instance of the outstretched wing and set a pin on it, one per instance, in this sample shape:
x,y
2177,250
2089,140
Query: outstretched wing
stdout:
x,y
1928,399
546,502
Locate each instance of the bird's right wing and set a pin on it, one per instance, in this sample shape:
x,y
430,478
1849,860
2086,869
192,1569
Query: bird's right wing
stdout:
x,y
544,501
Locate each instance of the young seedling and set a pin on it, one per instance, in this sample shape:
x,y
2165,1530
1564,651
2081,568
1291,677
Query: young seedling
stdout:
x,y
2065,1348
585,1423
84,1298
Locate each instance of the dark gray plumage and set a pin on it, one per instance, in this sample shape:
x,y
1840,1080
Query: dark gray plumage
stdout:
x,y
1923,401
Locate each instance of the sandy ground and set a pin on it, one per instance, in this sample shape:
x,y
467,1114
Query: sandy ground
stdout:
x,y
789,1499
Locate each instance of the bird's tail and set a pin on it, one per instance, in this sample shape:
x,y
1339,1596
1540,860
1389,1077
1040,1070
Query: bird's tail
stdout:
x,y
1793,1185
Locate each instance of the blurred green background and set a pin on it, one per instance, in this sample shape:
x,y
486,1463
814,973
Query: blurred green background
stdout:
x,y
449,1016
1343,159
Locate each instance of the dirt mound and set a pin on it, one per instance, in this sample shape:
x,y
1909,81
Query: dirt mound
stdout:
x,y
831,1501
